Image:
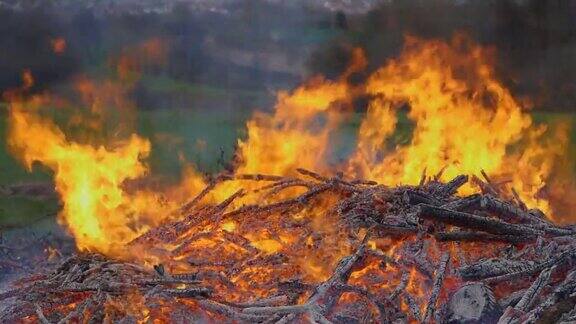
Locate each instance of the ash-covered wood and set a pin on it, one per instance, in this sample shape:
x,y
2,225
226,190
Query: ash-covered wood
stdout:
x,y
438,282
322,249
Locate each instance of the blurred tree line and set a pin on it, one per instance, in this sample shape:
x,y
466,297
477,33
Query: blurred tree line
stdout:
x,y
535,41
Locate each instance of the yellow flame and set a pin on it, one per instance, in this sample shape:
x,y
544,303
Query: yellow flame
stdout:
x,y
464,120
96,210
289,138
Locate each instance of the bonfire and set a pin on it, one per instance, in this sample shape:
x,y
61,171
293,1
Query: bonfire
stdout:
x,y
452,227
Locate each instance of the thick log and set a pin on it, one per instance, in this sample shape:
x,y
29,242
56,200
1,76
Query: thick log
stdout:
x,y
401,286
531,270
493,267
471,221
228,311
506,210
312,175
189,292
465,236
513,213
189,205
512,299
40,315
460,204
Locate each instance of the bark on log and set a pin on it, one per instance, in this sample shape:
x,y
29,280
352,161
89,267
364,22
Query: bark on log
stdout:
x,y
471,221
464,236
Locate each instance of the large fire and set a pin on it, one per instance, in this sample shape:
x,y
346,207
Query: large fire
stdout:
x,y
465,122
89,177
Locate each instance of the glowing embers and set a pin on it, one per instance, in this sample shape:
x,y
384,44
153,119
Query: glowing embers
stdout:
x,y
325,263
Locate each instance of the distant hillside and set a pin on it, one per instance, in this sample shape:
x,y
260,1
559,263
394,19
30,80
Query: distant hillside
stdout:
x,y
163,6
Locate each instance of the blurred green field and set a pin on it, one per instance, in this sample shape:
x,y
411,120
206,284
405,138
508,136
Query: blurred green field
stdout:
x,y
203,137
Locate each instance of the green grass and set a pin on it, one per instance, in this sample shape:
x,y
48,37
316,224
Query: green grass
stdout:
x,y
16,211
200,137
163,84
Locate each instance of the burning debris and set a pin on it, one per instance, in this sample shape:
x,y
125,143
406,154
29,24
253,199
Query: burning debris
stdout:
x,y
407,253
272,241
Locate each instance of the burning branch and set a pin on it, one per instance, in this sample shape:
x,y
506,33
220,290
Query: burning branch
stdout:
x,y
229,261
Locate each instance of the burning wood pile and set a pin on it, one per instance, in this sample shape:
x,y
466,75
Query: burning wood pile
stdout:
x,y
366,253
299,246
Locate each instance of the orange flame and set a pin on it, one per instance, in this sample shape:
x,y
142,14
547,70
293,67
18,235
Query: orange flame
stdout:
x,y
98,207
298,133
465,121
96,210
58,45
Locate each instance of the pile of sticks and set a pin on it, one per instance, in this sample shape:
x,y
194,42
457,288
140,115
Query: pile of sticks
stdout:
x,y
324,249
